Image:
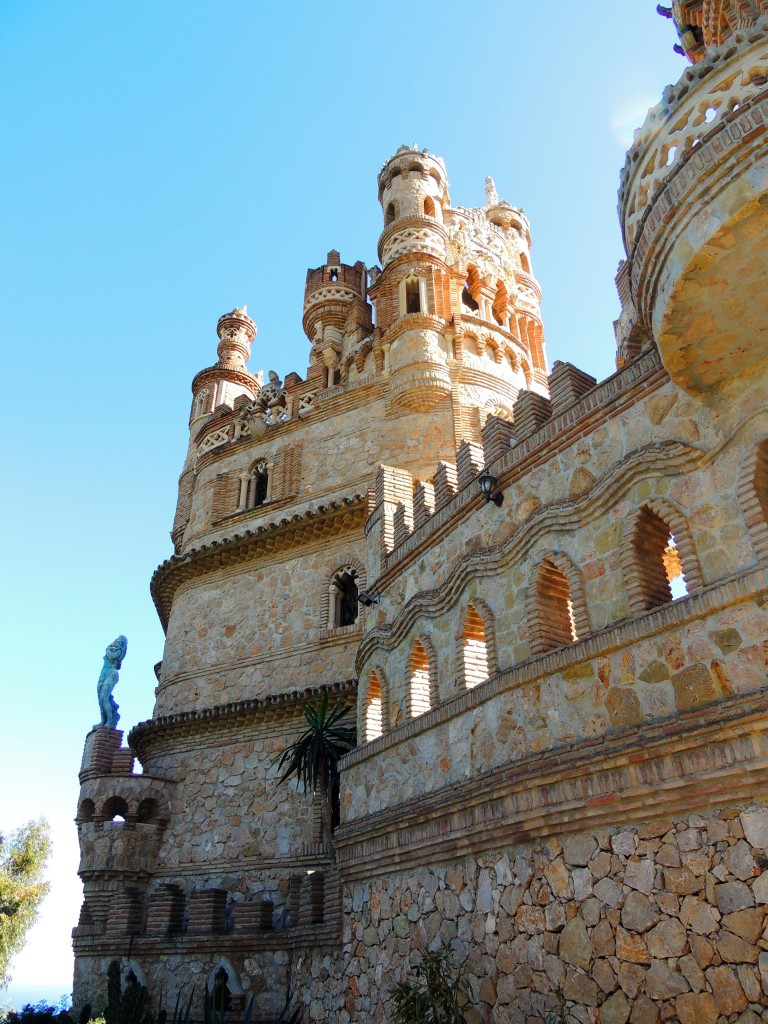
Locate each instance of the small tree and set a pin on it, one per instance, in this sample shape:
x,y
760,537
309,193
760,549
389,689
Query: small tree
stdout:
x,y
23,856
314,758
436,993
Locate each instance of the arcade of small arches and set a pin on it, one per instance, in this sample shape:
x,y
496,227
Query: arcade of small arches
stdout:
x,y
122,810
660,566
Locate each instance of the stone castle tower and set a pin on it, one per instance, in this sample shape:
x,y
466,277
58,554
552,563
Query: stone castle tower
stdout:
x,y
560,694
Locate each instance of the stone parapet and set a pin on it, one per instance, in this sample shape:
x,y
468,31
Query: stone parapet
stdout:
x,y
692,195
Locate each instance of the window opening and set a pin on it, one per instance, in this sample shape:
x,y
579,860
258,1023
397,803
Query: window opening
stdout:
x,y
657,560
390,214
344,591
116,809
148,811
429,207
556,622
373,710
260,483
674,570
419,682
412,295
222,997
470,295
474,649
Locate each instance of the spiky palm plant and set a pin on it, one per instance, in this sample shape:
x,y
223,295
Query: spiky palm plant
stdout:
x,y
314,757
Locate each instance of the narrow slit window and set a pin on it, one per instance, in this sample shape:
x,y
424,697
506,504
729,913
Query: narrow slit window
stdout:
x,y
222,996
412,295
556,625
657,561
474,649
259,484
470,295
373,709
419,680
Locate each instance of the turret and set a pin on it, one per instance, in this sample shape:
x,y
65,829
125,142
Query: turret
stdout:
x,y
229,378
413,191
702,149
335,308
703,24
412,294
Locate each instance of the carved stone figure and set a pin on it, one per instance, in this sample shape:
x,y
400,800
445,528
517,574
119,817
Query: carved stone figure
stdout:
x,y
113,659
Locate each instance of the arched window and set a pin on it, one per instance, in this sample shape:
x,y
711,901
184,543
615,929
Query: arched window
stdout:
x,y
86,811
343,606
500,303
373,709
115,809
557,614
657,560
470,296
753,492
419,680
525,263
429,206
412,295
390,214
474,649
221,997
259,483
149,810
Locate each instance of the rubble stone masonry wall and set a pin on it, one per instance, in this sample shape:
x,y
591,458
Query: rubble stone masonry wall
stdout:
x,y
660,922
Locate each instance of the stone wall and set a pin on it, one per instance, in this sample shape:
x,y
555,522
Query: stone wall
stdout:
x,y
263,628
659,922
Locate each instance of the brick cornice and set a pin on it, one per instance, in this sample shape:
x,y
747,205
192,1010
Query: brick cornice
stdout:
x,y
229,373
291,531
166,730
713,756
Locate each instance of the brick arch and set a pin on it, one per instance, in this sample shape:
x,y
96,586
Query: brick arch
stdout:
x,y
556,605
422,683
114,805
86,811
474,341
643,545
525,366
375,686
476,624
753,496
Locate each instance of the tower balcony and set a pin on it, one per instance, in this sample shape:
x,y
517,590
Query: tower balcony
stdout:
x,y
693,204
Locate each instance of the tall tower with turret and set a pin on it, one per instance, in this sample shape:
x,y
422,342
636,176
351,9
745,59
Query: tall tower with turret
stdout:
x,y
209,862
543,600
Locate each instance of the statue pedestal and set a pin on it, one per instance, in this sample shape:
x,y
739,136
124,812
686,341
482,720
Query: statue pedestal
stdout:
x,y
103,754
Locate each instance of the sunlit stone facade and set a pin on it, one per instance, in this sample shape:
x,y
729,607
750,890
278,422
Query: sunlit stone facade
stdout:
x,y
560,696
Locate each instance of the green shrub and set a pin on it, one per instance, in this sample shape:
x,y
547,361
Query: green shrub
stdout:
x,y
435,994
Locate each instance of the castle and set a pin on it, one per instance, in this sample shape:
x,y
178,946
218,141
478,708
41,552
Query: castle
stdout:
x,y
545,597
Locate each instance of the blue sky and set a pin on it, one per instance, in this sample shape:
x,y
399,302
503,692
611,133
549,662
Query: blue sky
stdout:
x,y
165,162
